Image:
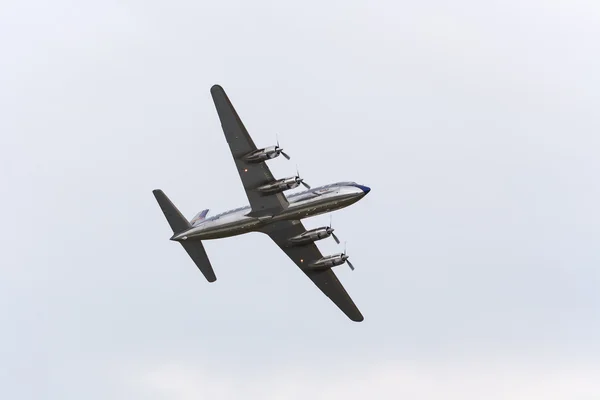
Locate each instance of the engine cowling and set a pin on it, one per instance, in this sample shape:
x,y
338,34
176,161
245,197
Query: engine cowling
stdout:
x,y
312,235
260,155
329,261
332,261
280,185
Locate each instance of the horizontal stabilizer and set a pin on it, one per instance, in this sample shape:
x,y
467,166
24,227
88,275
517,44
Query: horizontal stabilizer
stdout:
x,y
196,251
174,217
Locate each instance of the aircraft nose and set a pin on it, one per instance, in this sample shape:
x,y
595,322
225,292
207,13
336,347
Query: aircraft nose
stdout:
x,y
365,189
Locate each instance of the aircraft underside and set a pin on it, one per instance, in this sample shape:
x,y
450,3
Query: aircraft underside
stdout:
x,y
239,223
270,212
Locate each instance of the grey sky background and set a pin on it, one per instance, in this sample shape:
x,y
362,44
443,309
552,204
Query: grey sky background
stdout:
x,y
474,123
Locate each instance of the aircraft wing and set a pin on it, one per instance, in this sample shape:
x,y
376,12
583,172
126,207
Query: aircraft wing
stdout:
x,y
326,280
240,144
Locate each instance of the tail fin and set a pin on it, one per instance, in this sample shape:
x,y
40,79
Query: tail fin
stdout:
x,y
194,248
199,217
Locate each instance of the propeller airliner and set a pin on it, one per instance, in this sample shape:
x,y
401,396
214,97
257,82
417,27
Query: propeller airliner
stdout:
x,y
269,212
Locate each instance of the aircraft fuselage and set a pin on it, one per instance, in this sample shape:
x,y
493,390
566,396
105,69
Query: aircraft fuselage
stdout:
x,y
301,205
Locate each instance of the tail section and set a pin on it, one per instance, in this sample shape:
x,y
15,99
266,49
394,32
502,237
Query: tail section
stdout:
x,y
179,224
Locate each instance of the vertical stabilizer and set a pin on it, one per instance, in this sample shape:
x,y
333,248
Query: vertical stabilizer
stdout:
x,y
199,217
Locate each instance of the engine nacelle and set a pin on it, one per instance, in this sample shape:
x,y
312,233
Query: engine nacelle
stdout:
x,y
312,235
261,155
280,185
329,261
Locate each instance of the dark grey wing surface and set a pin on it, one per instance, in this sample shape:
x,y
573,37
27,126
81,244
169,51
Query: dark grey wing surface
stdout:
x,y
326,280
241,144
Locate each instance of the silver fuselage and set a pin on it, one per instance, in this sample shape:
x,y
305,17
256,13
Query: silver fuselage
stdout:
x,y
301,205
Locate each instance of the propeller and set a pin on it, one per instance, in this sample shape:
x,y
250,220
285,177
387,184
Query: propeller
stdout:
x,y
330,231
300,180
279,150
345,258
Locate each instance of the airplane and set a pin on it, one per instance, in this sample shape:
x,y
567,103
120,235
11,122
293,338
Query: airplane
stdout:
x,y
269,212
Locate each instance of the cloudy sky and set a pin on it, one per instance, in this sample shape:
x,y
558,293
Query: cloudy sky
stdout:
x,y
476,125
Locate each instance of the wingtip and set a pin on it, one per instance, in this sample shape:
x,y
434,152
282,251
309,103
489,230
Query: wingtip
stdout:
x,y
158,193
216,87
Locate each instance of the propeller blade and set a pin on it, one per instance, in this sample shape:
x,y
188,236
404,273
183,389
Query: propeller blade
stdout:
x,y
285,155
335,238
298,179
350,265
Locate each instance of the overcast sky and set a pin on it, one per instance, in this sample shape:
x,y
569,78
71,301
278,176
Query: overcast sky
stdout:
x,y
476,125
